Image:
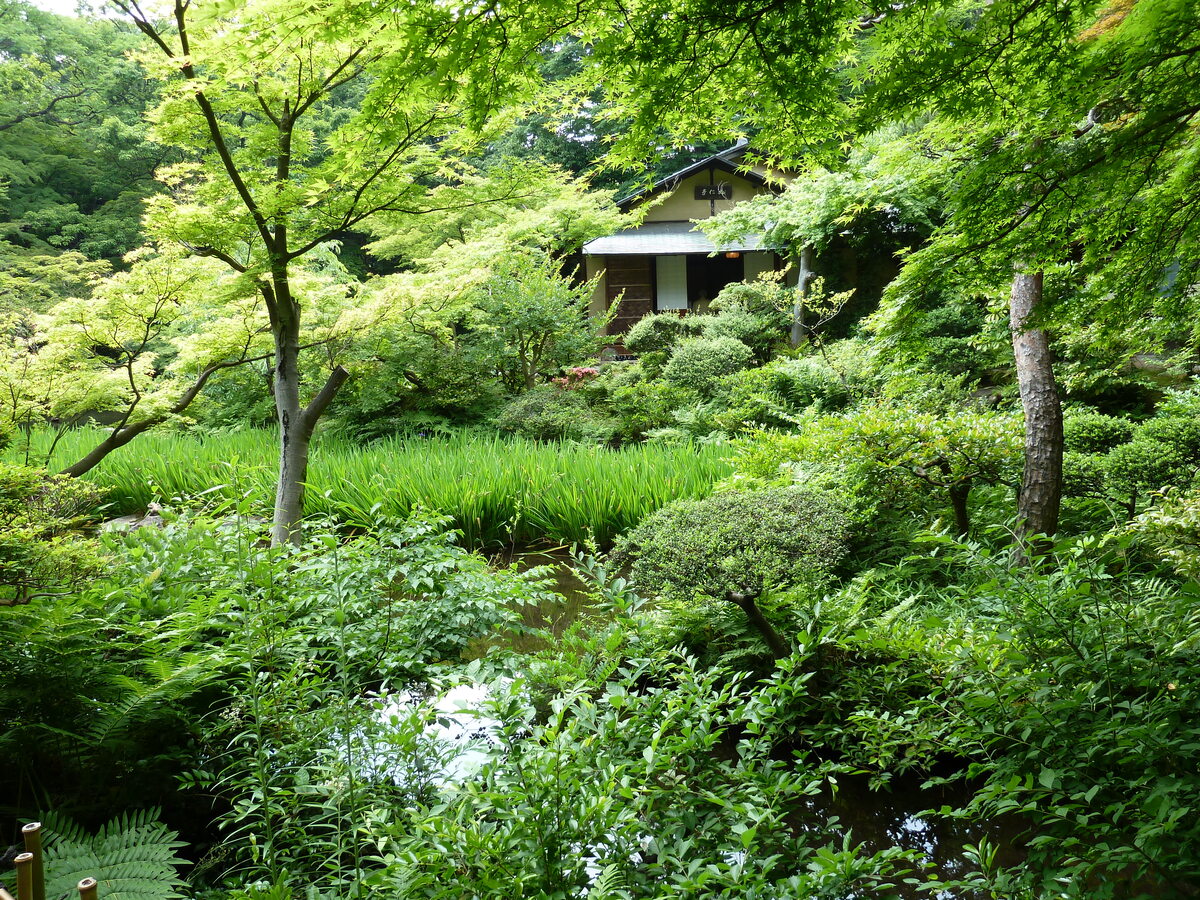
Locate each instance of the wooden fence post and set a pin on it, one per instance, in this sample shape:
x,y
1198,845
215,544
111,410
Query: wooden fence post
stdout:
x,y
32,833
24,864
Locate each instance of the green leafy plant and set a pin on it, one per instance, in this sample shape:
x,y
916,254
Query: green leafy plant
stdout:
x,y
889,454
698,363
497,490
42,553
628,786
132,857
659,332
553,413
536,320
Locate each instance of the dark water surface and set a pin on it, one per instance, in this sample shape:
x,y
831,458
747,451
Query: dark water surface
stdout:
x,y
577,601
905,815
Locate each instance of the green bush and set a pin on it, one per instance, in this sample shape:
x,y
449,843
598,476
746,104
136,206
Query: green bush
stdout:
x,y
698,363
659,782
894,458
775,394
1088,431
552,413
758,326
659,332
530,321
1084,474
42,552
1084,699
737,546
737,542
811,382
1164,452
643,406
421,384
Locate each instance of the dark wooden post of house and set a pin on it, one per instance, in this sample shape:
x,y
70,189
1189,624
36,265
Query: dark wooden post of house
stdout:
x,y
803,283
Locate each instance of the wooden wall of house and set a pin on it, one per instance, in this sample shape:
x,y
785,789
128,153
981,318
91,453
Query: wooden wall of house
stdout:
x,y
632,276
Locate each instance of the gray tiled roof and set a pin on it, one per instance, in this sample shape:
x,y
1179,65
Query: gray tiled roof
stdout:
x,y
664,238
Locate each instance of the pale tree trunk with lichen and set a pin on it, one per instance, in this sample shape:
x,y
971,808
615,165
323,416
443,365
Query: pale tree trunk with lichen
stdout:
x,y
1041,481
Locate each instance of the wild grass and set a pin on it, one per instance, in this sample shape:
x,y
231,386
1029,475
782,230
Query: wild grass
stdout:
x,y
499,491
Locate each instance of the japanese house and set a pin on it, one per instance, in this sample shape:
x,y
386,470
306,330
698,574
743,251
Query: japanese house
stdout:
x,y
666,262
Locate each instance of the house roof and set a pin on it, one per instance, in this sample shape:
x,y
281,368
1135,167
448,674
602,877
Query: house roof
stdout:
x,y
726,160
665,238
669,238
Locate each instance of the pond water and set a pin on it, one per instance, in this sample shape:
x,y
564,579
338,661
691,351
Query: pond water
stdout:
x,y
901,816
577,601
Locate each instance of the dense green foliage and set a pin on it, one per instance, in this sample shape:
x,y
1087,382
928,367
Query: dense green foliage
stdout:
x,y
737,543
497,490
818,663
75,162
41,554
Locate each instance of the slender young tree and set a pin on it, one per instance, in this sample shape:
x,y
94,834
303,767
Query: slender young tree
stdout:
x,y
304,121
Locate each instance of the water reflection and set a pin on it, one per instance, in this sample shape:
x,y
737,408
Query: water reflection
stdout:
x,y
913,817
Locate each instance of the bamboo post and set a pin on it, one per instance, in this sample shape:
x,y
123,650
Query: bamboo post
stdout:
x,y
5,895
24,863
87,889
33,844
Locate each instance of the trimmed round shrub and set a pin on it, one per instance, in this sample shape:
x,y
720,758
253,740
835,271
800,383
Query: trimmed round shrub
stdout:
x,y
760,331
551,413
738,542
698,363
1164,452
1084,474
659,332
1088,431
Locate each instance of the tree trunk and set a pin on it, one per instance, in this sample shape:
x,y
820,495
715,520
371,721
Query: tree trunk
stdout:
x,y
772,638
959,495
294,432
803,282
296,423
1041,483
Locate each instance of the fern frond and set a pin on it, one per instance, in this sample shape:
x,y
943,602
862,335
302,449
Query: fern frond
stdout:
x,y
132,857
170,683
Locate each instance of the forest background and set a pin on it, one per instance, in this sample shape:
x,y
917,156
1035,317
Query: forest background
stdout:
x,y
296,279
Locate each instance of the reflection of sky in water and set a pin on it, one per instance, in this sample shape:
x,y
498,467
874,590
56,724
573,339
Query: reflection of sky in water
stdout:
x,y
457,733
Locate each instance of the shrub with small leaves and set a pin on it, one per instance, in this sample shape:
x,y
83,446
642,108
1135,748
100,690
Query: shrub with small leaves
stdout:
x,y
698,363
738,541
1164,452
553,413
758,314
41,551
1088,431
659,332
